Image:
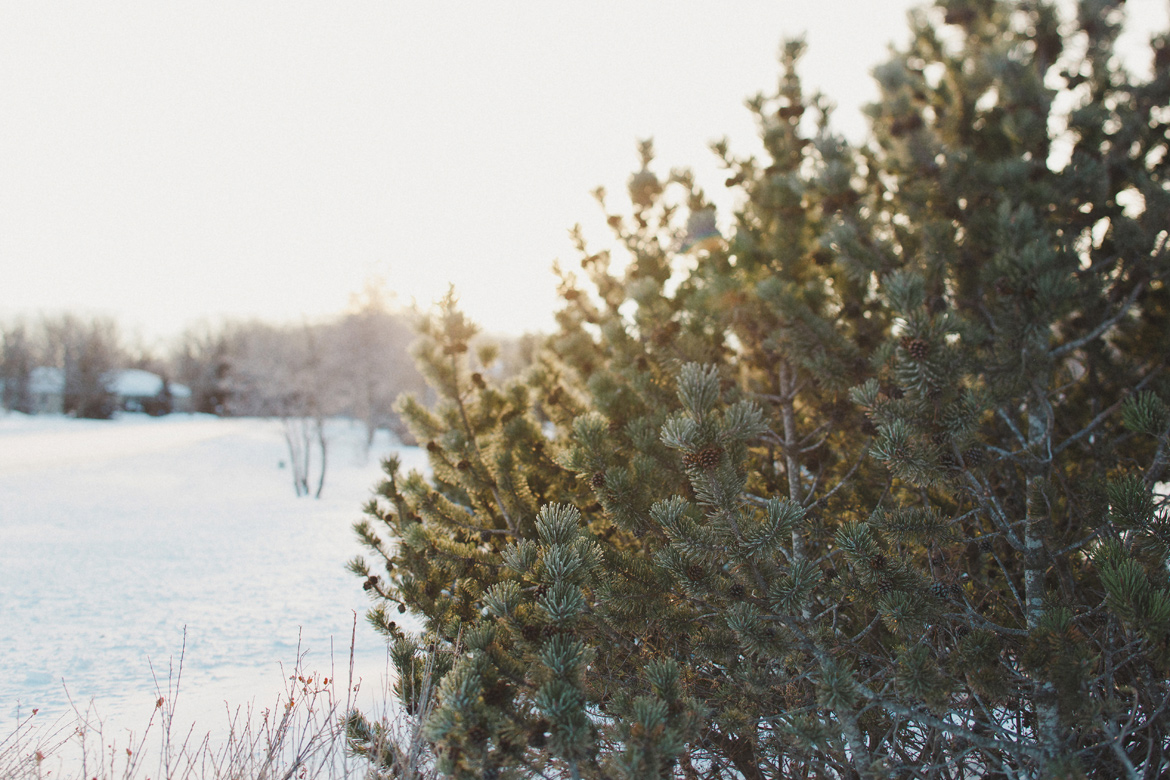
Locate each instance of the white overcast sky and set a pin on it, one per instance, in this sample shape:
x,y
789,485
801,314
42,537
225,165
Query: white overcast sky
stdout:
x,y
169,162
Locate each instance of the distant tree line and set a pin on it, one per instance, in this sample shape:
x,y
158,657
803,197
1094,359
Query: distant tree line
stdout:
x,y
352,365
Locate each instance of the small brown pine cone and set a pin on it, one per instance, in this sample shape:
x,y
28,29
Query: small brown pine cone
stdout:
x,y
463,465
477,734
695,571
984,544
877,562
884,586
597,481
433,447
401,609
830,575
736,591
477,380
919,349
974,457
531,633
688,459
485,536
865,664
708,457
939,590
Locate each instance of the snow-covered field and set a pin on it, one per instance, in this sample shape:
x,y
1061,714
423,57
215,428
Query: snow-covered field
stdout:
x,y
115,535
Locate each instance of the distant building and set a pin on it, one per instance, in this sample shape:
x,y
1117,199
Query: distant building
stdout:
x,y
141,391
134,390
46,386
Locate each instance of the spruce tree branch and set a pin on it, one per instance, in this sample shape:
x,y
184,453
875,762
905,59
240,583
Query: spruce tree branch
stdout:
x,y
990,503
861,634
1082,542
1094,334
1012,425
1091,426
478,454
845,479
812,447
982,622
812,489
1109,411
1008,579
1161,458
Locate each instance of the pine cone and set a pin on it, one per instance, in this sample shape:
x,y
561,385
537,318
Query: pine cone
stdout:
x,y
736,591
695,572
433,447
974,457
477,380
597,481
485,536
708,457
477,734
877,562
531,633
463,465
939,590
919,349
865,664
984,544
830,575
401,609
884,586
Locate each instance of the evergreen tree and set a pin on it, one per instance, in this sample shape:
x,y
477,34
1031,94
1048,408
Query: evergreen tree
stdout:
x,y
16,366
858,481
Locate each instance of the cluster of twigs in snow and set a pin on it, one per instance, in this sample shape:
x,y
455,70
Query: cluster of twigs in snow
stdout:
x,y
303,736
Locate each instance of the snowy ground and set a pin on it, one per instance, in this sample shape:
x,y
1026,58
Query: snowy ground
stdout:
x,y
115,535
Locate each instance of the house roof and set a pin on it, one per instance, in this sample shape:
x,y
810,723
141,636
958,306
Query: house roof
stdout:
x,y
46,380
135,383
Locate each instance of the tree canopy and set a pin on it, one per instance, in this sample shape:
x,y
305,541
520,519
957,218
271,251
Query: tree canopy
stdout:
x,y
859,480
